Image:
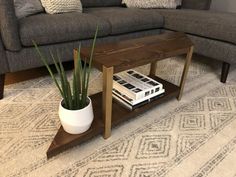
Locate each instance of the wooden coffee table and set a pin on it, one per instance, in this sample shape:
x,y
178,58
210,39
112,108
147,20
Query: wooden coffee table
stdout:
x,y
121,56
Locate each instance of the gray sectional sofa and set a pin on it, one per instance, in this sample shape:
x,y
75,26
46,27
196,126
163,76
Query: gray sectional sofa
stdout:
x,y
214,34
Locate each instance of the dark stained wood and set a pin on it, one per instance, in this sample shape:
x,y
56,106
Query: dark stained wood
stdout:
x,y
137,52
121,114
122,56
224,72
64,141
2,79
20,76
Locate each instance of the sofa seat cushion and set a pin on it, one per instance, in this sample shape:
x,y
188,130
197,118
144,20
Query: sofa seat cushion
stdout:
x,y
58,28
125,20
218,26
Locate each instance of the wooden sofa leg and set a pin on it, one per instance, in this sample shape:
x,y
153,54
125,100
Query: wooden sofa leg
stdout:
x,y
224,72
2,79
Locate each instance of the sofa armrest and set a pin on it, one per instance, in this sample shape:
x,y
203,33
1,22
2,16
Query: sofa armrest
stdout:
x,y
196,4
9,26
3,60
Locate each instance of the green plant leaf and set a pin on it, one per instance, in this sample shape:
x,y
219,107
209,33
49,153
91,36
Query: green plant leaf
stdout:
x,y
83,93
63,87
65,82
90,61
69,96
43,59
79,72
75,96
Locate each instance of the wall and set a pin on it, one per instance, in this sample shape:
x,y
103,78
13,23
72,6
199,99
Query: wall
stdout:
x,y
224,5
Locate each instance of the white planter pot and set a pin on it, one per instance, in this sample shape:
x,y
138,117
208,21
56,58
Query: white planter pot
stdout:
x,y
76,121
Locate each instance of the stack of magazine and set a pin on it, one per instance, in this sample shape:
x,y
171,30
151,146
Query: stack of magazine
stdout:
x,y
133,89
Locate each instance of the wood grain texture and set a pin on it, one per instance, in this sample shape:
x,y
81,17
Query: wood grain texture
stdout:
x,y
116,57
64,141
107,100
153,68
137,52
185,71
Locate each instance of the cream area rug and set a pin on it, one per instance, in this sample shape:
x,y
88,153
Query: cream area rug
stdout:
x,y
194,137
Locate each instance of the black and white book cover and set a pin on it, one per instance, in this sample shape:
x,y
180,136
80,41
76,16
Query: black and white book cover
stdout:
x,y
133,102
126,102
135,85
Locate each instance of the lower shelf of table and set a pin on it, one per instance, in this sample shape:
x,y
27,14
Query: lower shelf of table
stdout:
x,y
63,141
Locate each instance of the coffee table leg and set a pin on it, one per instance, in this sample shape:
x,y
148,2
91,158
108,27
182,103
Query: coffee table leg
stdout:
x,y
107,100
153,68
185,71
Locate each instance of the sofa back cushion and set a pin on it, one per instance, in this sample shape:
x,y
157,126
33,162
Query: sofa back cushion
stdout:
x,y
47,29
9,26
100,3
196,4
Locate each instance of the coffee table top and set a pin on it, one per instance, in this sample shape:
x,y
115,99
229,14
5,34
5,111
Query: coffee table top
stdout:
x,y
132,53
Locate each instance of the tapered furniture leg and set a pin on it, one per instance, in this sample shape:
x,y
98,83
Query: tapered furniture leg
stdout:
x,y
107,100
224,72
153,68
2,79
185,72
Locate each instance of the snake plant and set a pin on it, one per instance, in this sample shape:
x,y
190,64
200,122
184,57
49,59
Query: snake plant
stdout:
x,y
75,94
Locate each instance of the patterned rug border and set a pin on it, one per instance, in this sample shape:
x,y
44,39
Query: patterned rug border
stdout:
x,y
90,157
165,169
220,155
